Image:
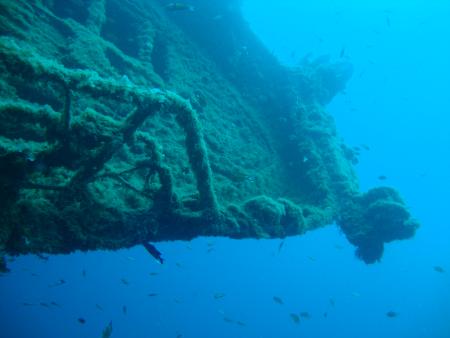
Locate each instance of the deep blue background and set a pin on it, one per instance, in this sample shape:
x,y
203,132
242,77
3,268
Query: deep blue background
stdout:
x,y
397,103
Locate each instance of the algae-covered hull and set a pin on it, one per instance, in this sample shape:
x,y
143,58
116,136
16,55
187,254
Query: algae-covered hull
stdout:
x,y
123,122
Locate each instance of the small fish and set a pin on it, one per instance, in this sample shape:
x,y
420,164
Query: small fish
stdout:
x,y
131,259
28,304
43,304
382,177
295,318
98,306
55,304
57,283
34,274
152,294
391,314
325,314
125,281
388,21
179,6
339,247
332,301
356,294
154,252
305,315
43,257
83,273
365,147
179,335
107,331
81,320
228,320
219,295
178,265
311,258
277,300
280,246
342,53
177,300
439,269
210,250
153,274
124,309
210,244
240,323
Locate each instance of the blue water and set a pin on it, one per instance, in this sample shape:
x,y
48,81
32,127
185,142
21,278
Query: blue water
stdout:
x,y
397,103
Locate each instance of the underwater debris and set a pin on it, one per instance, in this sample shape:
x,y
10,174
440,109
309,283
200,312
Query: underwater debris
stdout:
x,y
98,167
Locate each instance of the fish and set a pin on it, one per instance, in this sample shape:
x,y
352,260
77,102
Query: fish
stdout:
x,y
125,281
219,295
43,304
382,177
43,257
98,306
278,300
295,318
178,265
325,314
81,320
83,273
152,294
154,252
179,335
332,301
356,294
179,6
209,250
240,323
388,21
124,309
107,330
391,314
153,274
280,246
57,283
305,314
55,304
342,53
439,269
228,320
28,304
